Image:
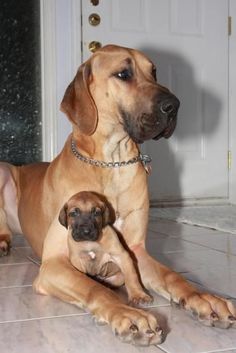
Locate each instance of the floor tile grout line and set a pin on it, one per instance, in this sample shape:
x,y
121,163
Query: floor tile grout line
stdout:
x,y
210,230
157,232
162,349
43,318
215,291
21,247
16,286
192,242
194,224
36,262
153,306
205,246
220,350
16,263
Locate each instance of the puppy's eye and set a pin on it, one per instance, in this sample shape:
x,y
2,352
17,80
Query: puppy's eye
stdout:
x,y
96,212
124,75
74,213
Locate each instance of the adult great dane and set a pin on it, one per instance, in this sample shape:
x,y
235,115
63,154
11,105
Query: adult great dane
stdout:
x,y
114,103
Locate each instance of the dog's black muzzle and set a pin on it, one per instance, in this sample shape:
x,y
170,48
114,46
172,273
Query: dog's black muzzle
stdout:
x,y
159,121
85,231
167,109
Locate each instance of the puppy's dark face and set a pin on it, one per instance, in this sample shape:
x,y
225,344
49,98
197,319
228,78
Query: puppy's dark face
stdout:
x,y
85,225
85,214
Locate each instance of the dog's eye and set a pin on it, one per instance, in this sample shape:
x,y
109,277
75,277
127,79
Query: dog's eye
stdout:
x,y
124,75
96,212
74,213
154,73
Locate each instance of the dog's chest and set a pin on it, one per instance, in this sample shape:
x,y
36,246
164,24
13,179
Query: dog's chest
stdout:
x,y
118,223
92,255
119,180
89,257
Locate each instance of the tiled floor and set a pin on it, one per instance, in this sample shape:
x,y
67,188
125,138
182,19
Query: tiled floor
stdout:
x,y
33,323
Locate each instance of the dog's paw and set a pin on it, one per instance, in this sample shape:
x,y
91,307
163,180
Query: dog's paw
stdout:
x,y
136,326
140,298
211,310
5,244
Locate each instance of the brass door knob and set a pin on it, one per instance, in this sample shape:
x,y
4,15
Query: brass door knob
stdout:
x,y
94,19
94,45
94,2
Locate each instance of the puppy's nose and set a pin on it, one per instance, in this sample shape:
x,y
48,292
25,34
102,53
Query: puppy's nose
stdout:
x,y
169,105
86,230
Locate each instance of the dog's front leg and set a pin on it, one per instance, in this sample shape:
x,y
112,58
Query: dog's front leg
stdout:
x,y
211,310
59,278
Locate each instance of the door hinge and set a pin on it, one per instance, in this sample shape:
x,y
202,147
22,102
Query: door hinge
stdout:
x,y
229,25
229,159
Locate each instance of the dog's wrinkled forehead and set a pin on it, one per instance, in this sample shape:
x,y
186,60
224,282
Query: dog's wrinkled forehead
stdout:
x,y
112,58
85,202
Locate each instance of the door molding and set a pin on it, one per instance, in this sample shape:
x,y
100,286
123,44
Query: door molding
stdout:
x,y
52,12
232,103
48,77
60,57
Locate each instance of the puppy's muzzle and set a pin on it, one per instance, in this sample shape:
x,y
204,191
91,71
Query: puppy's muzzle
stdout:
x,y
84,232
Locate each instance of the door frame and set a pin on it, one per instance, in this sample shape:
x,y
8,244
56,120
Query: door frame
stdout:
x,y
60,58
55,41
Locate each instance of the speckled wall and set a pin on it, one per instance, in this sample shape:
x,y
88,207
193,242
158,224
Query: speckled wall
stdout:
x,y
20,101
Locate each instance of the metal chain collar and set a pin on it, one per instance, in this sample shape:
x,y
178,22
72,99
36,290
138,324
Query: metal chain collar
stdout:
x,y
145,159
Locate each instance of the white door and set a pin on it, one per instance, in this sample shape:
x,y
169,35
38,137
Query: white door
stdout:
x,y
188,41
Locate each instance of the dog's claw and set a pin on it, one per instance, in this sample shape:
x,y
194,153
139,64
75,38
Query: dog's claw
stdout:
x,y
141,299
214,316
133,328
136,326
4,248
231,318
212,310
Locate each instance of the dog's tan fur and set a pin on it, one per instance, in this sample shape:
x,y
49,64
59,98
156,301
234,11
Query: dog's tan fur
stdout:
x,y
31,198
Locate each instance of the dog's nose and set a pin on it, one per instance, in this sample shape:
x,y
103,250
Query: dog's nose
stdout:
x,y
86,230
169,105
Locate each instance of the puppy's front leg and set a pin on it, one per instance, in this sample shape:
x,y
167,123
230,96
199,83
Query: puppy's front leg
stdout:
x,y
122,258
136,293
59,278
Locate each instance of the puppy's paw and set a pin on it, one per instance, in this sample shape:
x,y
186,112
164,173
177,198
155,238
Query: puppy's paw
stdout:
x,y
140,297
5,244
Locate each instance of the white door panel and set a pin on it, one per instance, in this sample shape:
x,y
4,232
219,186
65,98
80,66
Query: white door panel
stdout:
x,y
188,41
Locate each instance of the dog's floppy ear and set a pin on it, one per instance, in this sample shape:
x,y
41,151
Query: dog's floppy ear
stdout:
x,y
63,216
108,215
78,103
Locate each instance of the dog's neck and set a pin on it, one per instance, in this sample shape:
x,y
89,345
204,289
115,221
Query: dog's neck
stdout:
x,y
114,147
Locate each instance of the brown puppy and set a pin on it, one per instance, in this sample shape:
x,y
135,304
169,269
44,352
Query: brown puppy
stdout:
x,y
113,103
94,246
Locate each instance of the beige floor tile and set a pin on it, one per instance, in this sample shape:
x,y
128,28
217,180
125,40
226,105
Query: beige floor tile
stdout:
x,y
61,335
18,274
34,323
186,335
22,303
14,257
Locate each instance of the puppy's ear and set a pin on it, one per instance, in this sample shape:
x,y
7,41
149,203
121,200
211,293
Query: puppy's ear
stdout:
x,y
108,215
63,216
78,103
